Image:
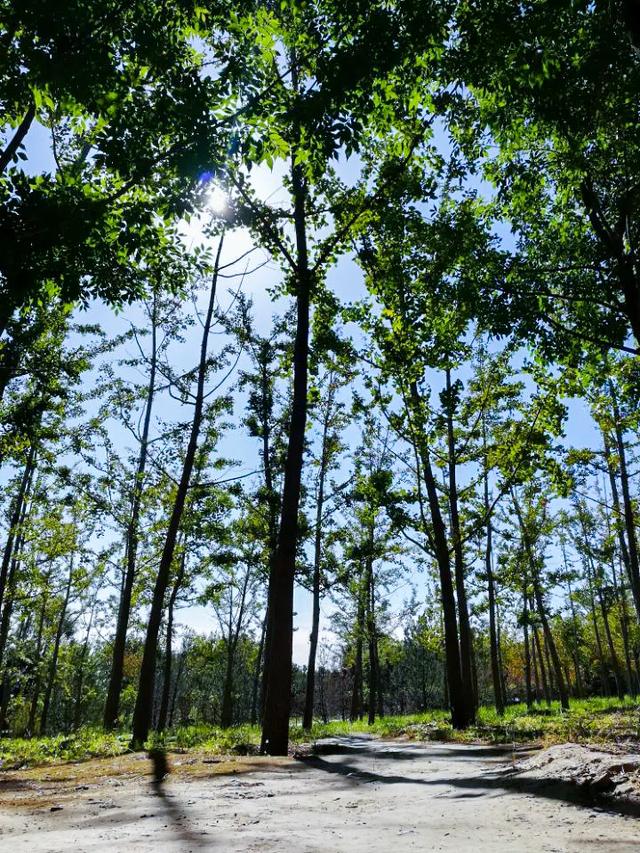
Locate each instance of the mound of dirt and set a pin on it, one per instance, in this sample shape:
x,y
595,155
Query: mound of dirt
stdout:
x,y
609,770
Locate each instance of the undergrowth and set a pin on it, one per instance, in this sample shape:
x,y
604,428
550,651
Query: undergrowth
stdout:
x,y
595,720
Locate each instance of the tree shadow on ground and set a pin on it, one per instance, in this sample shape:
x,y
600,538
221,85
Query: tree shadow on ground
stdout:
x,y
174,811
411,751
13,783
476,786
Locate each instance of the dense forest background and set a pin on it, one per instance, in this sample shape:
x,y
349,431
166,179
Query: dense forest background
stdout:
x,y
319,375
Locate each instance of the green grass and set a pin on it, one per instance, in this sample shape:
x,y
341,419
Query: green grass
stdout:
x,y
80,746
588,721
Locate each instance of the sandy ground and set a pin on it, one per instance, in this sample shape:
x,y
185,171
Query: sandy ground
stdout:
x,y
356,795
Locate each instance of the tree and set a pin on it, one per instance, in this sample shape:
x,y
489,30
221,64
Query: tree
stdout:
x,y
315,108
267,415
531,527
121,92
556,101
332,418
143,708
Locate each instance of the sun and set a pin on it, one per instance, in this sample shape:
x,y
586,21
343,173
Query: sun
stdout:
x,y
217,199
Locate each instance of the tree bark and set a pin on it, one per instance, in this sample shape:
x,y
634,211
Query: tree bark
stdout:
x,y
12,575
466,637
266,380
550,669
277,673
501,669
527,647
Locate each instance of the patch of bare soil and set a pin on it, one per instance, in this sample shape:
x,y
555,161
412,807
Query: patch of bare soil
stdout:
x,y
352,795
62,783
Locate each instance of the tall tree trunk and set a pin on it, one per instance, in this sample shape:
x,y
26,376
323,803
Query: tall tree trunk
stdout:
x,y
620,522
604,677
256,674
257,700
551,645
5,623
323,700
307,719
372,639
35,696
168,647
493,635
527,650
501,669
550,670
144,701
575,649
536,671
461,704
112,703
232,645
176,684
12,575
629,514
615,662
540,666
624,629
14,519
277,673
21,633
356,694
56,649
466,636
537,592
80,674
226,714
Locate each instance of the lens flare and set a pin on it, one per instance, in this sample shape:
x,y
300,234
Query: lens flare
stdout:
x,y
217,200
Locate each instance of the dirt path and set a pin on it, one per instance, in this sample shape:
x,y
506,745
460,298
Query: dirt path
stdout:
x,y
357,795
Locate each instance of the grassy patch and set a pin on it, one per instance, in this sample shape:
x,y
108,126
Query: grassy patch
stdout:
x,y
81,745
588,721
